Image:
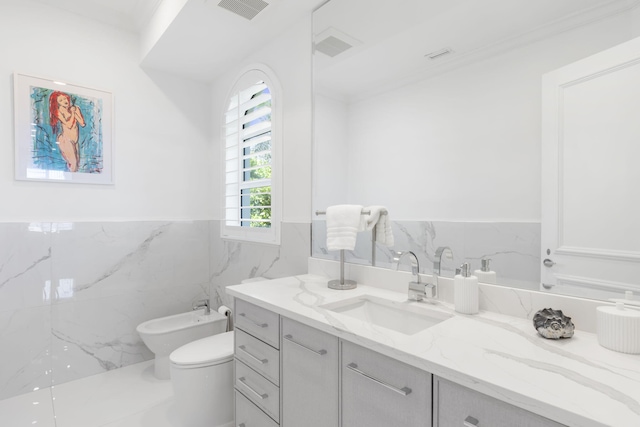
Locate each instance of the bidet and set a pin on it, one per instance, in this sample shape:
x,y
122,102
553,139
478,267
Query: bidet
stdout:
x,y
165,334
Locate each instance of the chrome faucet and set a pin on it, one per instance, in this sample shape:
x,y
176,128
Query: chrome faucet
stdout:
x,y
417,290
437,260
203,303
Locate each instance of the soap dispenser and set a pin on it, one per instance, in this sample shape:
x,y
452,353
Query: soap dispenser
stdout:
x,y
465,291
485,275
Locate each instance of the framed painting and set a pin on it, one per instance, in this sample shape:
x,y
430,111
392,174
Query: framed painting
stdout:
x,y
63,132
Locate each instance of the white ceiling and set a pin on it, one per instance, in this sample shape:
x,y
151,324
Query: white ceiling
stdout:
x,y
203,40
131,15
395,37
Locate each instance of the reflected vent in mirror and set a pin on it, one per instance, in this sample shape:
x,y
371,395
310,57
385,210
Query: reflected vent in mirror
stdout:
x,y
332,46
246,8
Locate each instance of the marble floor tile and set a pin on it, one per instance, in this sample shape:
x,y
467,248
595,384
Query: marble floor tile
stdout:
x,y
126,397
161,415
119,396
30,409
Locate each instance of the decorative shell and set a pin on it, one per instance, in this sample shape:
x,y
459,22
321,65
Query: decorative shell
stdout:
x,y
553,324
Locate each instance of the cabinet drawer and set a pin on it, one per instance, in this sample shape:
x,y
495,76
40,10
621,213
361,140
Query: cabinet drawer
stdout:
x,y
258,355
248,414
380,391
257,321
258,389
454,405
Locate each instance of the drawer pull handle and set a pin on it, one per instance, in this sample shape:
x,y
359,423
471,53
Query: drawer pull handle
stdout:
x,y
289,338
241,425
257,359
470,422
260,396
258,324
403,391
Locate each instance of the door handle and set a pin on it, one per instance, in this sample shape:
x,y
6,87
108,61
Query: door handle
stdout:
x,y
548,263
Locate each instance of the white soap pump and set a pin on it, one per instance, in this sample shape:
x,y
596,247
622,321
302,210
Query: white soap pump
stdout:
x,y
465,291
485,275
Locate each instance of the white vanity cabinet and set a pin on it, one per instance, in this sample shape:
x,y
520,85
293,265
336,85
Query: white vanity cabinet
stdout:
x,y
310,379
454,405
380,391
294,375
257,366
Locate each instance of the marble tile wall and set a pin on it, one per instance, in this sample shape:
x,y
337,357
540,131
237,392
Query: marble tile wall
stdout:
x,y
72,294
233,261
513,247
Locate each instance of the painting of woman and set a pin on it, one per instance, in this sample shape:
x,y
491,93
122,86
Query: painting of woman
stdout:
x,y
65,120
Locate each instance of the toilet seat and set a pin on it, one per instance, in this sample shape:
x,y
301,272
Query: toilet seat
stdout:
x,y
208,351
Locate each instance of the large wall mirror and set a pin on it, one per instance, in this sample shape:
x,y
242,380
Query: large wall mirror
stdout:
x,y
433,109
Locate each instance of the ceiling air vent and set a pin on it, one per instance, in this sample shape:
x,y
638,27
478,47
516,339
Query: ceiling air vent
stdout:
x,y
332,46
246,8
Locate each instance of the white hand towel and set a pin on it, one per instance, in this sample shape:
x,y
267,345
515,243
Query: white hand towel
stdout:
x,y
343,224
384,234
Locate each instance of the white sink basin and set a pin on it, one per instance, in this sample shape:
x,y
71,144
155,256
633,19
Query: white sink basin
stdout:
x,y
401,317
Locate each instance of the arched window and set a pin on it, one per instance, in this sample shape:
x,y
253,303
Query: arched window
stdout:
x,y
251,134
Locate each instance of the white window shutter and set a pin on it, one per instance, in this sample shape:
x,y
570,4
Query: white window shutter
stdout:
x,y
250,159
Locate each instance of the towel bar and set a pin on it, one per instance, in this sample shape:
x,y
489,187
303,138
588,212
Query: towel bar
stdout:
x,y
350,284
342,284
382,212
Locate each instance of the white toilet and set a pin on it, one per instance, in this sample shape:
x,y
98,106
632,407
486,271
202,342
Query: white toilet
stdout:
x,y
202,378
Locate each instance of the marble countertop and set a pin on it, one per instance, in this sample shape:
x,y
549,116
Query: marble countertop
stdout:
x,y
573,381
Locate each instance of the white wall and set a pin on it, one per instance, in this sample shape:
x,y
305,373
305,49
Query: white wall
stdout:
x,y
330,151
160,21
161,122
465,145
289,56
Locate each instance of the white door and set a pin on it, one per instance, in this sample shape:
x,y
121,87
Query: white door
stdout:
x,y
591,173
